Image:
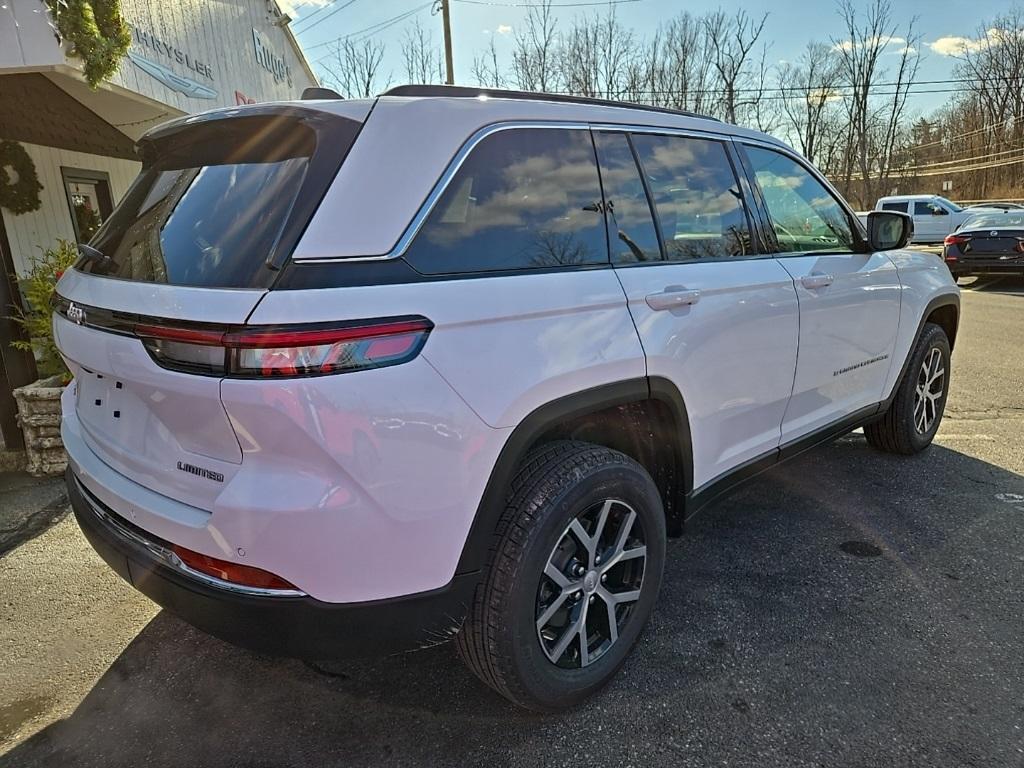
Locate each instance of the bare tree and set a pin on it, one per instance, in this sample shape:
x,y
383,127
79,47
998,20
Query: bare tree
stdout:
x,y
809,96
355,68
486,68
535,60
594,56
874,114
424,61
731,39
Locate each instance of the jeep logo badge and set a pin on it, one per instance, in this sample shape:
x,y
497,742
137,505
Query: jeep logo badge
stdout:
x,y
76,314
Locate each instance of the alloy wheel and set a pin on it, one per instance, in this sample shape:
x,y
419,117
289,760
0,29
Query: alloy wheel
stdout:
x,y
591,583
929,391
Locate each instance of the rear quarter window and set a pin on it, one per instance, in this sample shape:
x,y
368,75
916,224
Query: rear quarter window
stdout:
x,y
524,198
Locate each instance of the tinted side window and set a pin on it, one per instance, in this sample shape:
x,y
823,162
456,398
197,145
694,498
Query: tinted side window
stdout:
x,y
698,200
929,209
902,207
803,213
525,198
631,234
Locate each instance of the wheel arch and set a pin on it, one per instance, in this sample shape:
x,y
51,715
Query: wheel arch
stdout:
x,y
645,418
944,311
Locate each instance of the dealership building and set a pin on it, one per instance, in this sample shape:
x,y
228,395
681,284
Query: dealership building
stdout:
x,y
186,56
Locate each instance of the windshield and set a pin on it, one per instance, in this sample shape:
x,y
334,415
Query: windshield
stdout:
x,y
949,204
1003,221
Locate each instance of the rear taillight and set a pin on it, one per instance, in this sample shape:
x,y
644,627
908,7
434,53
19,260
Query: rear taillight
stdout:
x,y
266,352
956,240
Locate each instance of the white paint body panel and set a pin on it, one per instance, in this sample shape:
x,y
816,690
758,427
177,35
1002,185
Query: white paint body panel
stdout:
x,y
507,345
853,320
923,277
731,354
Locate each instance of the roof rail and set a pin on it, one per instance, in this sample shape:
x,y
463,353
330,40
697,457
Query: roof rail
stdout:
x,y
466,92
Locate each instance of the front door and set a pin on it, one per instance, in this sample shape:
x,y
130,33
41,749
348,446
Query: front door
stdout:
x,y
931,222
715,317
849,299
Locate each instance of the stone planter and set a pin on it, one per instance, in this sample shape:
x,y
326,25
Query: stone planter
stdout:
x,y
39,416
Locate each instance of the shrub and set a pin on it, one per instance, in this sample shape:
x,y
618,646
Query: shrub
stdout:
x,y
37,288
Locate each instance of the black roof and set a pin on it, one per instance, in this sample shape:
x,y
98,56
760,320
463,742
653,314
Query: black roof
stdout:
x,y
467,92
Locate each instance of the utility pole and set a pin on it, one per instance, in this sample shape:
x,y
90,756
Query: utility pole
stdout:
x,y
446,17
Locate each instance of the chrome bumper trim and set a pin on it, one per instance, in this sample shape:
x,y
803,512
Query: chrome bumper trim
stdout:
x,y
171,560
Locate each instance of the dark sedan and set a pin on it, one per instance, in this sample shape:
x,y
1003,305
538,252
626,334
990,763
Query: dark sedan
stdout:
x,y
987,245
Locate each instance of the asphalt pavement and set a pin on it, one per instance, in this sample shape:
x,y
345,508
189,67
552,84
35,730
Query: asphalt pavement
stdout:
x,y
847,609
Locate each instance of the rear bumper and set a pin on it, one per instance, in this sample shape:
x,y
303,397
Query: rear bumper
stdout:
x,y
298,626
986,267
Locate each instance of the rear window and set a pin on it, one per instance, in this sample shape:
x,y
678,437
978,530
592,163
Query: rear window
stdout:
x,y
216,202
904,207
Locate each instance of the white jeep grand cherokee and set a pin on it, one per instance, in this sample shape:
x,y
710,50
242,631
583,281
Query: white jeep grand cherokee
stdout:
x,y
363,376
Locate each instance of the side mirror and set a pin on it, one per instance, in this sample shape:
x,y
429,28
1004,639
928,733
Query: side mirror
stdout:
x,y
940,212
889,230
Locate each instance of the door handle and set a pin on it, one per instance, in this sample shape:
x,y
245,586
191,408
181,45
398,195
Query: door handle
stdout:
x,y
816,281
673,296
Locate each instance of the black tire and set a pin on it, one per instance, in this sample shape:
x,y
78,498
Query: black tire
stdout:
x,y
500,642
899,429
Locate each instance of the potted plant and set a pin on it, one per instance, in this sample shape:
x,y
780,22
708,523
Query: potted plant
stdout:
x,y
39,402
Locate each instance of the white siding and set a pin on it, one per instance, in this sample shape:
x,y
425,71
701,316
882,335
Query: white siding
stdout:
x,y
28,232
217,33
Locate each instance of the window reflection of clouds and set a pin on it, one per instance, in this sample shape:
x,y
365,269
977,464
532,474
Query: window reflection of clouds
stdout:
x,y
803,213
631,235
697,196
517,202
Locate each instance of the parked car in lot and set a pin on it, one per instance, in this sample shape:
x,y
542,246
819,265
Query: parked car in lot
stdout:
x,y
364,376
934,216
996,206
987,245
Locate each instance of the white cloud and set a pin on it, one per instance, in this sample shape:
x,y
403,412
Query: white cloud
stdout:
x,y
952,45
504,29
847,45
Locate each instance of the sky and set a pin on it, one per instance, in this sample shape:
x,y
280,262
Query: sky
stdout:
x,y
945,26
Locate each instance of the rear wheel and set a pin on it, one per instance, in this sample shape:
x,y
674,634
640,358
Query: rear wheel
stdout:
x,y
912,419
574,574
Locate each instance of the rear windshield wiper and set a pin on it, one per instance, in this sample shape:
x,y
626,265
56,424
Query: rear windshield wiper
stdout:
x,y
89,253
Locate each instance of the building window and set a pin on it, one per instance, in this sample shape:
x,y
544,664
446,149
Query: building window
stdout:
x,y
89,200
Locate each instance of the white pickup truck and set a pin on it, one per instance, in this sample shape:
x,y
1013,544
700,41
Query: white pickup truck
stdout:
x,y
934,216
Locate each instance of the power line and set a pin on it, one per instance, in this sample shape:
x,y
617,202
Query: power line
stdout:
x,y
963,135
322,19
371,30
977,158
546,5
910,173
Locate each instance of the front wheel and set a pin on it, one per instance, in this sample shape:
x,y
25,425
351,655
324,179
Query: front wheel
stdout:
x,y
576,569
912,419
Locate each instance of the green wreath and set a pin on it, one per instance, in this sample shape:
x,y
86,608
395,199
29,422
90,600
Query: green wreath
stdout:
x,y
97,32
19,196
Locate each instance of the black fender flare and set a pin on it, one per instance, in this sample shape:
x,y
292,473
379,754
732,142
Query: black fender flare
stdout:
x,y
537,422
942,300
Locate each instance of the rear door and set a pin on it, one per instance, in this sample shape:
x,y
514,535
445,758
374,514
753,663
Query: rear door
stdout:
x,y
188,252
849,298
715,316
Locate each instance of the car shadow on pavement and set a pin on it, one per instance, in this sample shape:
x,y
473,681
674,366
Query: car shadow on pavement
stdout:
x,y
1005,285
848,608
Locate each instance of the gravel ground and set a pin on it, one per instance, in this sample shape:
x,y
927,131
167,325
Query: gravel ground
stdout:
x,y
849,608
